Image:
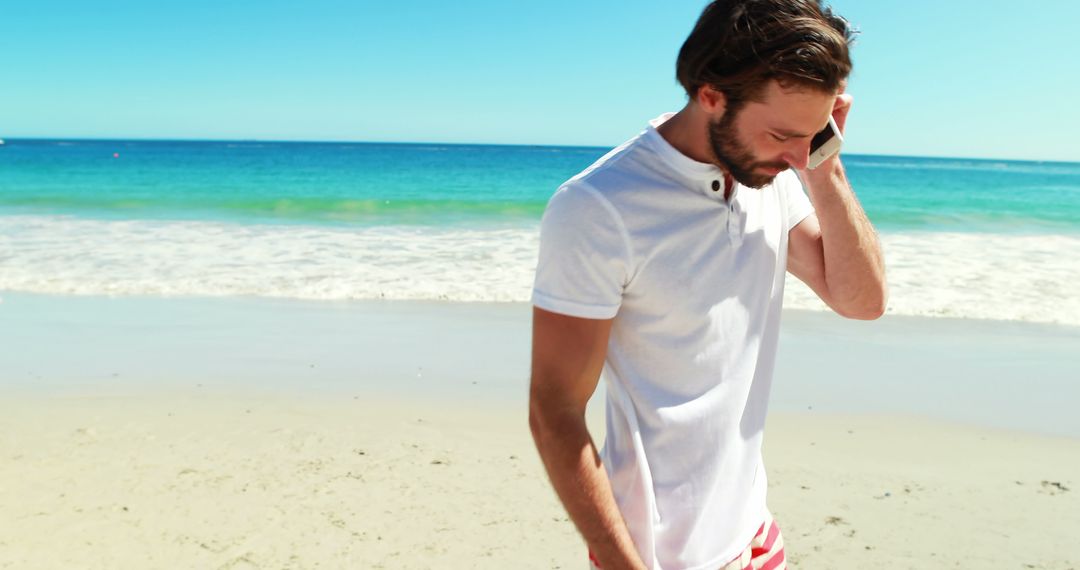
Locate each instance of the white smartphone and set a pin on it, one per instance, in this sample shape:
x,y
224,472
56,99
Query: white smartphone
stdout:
x,y
825,144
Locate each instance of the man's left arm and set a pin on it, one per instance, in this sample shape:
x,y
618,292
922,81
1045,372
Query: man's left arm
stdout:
x,y
836,250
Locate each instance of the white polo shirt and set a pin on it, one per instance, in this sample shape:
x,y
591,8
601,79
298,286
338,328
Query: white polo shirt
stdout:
x,y
694,285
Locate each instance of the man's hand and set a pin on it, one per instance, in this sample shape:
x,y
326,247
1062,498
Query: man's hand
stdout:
x,y
835,251
568,355
841,108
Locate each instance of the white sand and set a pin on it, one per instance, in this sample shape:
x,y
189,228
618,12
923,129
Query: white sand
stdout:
x,y
891,492
216,480
246,433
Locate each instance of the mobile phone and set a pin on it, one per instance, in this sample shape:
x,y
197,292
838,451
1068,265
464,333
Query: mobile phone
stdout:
x,y
825,144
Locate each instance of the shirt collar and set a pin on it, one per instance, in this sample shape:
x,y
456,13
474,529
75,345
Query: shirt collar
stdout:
x,y
698,175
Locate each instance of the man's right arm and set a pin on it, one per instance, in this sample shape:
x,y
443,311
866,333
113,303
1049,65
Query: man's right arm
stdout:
x,y
567,357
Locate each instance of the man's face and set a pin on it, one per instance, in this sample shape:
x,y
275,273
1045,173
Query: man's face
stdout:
x,y
760,140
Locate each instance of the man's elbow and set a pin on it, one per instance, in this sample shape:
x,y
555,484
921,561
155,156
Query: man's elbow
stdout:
x,y
548,418
867,308
866,314
541,422
536,419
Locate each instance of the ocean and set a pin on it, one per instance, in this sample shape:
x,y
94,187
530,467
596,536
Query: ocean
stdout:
x,y
989,239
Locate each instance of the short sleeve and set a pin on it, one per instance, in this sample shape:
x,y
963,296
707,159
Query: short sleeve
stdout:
x,y
796,204
584,255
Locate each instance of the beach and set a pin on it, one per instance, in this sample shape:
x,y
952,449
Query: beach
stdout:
x,y
221,354
262,433
267,274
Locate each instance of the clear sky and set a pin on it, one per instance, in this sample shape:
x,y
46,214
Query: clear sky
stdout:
x,y
961,78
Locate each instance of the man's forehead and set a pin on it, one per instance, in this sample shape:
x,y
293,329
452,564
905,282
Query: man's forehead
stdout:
x,y
793,109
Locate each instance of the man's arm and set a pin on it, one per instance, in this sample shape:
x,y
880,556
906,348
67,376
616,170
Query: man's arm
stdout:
x,y
836,251
567,357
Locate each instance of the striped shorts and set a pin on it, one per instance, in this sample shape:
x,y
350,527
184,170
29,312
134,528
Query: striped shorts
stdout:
x,y
765,551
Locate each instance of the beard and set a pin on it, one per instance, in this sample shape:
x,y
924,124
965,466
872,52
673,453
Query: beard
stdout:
x,y
735,157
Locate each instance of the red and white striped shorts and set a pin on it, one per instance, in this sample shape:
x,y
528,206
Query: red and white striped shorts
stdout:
x,y
765,551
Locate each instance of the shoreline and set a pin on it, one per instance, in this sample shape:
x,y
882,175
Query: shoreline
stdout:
x,y
931,273
1003,374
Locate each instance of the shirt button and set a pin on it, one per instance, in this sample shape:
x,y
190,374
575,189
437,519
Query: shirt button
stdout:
x,y
715,185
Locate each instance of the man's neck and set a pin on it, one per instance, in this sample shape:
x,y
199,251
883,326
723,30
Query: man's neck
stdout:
x,y
688,132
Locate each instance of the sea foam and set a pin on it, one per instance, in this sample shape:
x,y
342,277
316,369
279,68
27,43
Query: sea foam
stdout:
x,y
975,275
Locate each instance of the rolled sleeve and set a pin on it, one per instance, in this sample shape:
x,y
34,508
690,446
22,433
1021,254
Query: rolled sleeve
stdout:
x,y
584,255
797,205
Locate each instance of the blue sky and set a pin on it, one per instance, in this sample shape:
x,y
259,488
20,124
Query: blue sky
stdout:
x,y
932,78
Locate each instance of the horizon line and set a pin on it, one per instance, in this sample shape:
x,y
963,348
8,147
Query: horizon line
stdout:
x,y
431,143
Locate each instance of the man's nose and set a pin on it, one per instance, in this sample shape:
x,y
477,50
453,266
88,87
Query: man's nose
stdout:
x,y
798,154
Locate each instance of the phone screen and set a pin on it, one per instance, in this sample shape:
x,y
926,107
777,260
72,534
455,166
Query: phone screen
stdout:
x,y
821,138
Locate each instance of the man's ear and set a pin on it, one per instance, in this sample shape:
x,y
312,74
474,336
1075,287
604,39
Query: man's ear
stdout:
x,y
711,100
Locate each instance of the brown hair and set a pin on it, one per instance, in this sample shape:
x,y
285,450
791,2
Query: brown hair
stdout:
x,y
737,46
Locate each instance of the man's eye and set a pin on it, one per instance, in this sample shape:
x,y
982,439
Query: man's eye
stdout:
x,y
778,137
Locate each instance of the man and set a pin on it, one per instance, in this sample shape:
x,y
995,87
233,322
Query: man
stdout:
x,y
662,266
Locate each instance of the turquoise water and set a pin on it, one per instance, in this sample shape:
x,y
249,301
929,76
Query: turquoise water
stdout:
x,y
336,184
285,182
328,221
